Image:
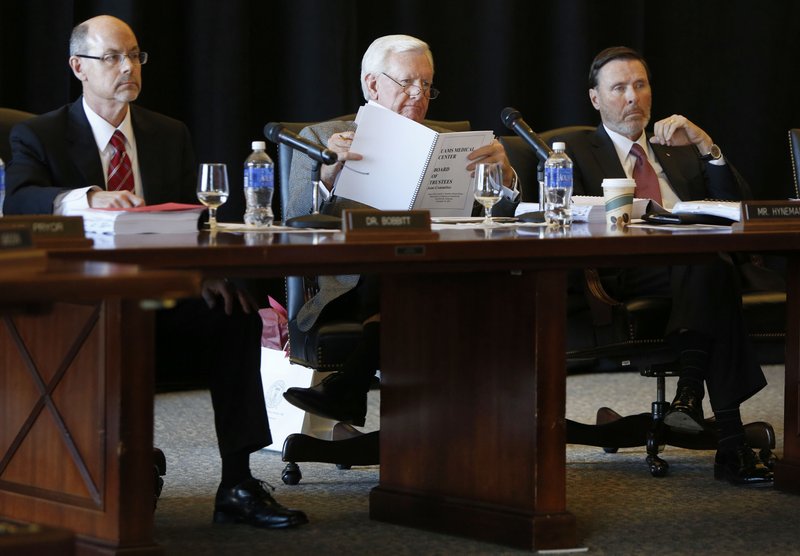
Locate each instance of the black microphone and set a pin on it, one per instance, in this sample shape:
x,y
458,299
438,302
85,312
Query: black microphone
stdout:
x,y
276,133
512,119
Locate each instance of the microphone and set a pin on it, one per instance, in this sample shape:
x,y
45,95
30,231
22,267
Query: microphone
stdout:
x,y
276,133
512,119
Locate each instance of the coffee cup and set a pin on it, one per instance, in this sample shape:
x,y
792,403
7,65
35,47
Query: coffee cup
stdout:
x,y
618,197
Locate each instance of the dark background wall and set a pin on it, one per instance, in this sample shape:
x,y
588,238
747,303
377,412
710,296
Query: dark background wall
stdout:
x,y
228,67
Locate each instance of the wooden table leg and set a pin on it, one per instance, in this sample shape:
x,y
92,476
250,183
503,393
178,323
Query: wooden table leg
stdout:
x,y
76,403
787,470
473,387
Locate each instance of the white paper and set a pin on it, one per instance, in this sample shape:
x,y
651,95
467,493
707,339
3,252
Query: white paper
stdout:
x,y
395,173
277,375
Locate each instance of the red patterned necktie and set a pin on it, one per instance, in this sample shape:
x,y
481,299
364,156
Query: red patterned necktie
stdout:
x,y
120,172
646,179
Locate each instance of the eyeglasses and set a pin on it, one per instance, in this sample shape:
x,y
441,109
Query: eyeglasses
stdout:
x,y
114,60
413,90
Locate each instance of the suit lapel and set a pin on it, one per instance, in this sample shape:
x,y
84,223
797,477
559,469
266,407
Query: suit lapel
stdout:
x,y
82,146
670,163
606,154
148,157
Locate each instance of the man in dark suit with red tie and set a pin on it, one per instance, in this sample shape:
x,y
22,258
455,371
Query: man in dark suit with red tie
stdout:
x,y
678,161
102,151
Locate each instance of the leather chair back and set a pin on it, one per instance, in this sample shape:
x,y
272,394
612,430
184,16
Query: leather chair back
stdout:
x,y
794,150
524,160
8,119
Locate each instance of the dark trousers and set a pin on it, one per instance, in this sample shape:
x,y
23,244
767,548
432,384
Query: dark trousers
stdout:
x,y
707,300
226,352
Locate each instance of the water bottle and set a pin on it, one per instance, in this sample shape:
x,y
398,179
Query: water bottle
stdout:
x,y
558,187
259,184
2,185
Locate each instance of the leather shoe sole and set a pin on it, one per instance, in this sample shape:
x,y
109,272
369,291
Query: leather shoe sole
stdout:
x,y
311,401
682,420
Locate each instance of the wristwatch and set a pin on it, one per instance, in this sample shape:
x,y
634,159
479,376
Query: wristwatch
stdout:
x,y
714,154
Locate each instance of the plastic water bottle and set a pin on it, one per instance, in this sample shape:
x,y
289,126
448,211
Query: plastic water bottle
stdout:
x,y
558,187
259,184
2,185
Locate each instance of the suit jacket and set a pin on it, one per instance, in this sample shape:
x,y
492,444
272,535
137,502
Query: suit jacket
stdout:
x,y
55,152
594,158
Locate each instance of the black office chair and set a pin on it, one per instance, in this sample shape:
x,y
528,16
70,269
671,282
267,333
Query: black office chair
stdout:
x,y
9,117
525,161
325,347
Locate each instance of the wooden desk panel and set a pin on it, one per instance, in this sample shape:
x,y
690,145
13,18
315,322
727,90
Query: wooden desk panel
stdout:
x,y
76,401
419,480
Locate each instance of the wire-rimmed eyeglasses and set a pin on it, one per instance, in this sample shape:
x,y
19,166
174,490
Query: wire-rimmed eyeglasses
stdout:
x,y
413,90
116,59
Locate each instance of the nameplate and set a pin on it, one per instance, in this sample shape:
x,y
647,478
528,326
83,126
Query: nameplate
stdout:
x,y
370,224
17,252
14,236
52,231
770,215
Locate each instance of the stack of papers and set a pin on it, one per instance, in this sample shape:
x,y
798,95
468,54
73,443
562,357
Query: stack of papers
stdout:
x,y
167,218
732,210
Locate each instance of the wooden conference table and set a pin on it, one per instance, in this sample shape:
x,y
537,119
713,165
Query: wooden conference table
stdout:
x,y
76,397
472,436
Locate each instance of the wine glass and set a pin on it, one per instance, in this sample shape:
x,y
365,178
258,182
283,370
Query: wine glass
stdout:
x,y
212,189
488,186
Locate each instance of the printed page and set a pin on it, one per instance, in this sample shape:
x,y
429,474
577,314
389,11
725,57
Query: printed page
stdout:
x,y
446,189
395,151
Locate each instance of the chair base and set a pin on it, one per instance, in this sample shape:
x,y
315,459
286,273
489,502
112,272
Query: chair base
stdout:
x,y
348,447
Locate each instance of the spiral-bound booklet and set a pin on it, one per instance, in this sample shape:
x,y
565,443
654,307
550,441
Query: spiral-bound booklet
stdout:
x,y
408,166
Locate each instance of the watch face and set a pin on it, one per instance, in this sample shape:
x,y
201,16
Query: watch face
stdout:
x,y
715,152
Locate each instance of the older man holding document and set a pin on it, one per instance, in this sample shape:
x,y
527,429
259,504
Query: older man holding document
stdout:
x,y
397,74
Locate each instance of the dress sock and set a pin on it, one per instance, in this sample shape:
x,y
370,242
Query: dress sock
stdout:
x,y
235,469
730,430
362,363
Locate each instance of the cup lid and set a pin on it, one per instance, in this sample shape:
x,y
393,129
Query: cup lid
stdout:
x,y
618,182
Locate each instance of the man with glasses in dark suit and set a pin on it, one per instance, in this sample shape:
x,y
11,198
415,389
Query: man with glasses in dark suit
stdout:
x,y
103,151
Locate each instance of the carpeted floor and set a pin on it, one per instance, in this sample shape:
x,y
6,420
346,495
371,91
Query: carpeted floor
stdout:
x,y
620,508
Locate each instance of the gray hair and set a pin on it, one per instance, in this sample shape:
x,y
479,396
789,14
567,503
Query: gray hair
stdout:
x,y
374,60
77,41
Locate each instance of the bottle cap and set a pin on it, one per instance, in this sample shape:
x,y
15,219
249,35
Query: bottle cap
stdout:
x,y
559,146
258,145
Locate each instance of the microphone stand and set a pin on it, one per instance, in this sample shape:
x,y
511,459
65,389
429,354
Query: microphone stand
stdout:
x,y
316,219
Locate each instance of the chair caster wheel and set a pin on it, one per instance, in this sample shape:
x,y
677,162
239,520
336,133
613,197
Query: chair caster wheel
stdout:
x,y
611,450
344,466
767,457
658,467
291,474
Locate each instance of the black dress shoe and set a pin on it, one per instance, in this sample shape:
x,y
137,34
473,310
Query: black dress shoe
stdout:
x,y
159,470
742,467
250,503
333,398
686,412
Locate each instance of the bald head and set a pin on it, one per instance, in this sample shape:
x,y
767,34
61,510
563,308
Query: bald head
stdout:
x,y
102,24
110,81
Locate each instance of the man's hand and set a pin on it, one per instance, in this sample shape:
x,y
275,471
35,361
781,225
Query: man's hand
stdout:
x,y
340,144
493,152
677,131
113,199
213,290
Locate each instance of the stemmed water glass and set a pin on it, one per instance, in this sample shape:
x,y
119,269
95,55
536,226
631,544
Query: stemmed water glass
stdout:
x,y
488,186
212,189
